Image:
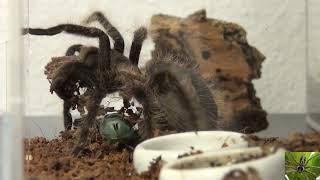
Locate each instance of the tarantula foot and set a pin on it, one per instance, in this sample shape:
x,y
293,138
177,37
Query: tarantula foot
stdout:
x,y
68,127
24,31
83,140
67,121
140,34
77,150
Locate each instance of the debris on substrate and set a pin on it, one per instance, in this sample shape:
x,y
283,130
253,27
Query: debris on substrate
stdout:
x,y
191,153
297,142
239,158
52,159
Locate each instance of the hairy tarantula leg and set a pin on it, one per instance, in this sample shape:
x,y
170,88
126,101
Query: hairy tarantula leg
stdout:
x,y
183,97
143,97
111,30
73,49
67,118
93,106
87,54
104,43
139,36
74,70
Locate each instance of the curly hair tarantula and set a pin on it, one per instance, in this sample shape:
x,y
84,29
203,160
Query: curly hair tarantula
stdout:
x,y
173,96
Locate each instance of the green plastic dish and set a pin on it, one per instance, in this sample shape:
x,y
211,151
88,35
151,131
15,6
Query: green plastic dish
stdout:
x,y
113,129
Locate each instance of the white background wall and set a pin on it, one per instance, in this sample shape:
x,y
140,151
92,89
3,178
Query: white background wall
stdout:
x,y
275,27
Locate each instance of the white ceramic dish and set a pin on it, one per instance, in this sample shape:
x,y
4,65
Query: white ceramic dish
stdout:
x,y
169,147
198,166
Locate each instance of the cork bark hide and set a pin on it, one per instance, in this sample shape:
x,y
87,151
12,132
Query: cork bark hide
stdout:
x,y
226,62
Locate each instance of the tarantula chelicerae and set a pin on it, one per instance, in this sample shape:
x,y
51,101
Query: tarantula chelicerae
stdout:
x,y
173,96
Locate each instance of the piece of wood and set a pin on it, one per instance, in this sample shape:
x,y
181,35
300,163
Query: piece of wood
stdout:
x,y
225,61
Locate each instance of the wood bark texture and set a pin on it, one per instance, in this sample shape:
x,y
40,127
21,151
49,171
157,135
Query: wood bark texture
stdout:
x,y
225,60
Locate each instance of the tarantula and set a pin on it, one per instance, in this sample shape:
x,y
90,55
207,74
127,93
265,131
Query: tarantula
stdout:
x,y
173,96
88,56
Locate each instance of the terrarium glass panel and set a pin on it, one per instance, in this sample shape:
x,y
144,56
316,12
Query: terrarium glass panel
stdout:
x,y
313,72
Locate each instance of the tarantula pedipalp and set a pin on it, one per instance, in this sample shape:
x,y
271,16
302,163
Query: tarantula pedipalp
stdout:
x,y
172,94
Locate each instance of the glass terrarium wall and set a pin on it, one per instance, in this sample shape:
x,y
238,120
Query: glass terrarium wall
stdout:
x,y
3,76
3,98
12,96
313,68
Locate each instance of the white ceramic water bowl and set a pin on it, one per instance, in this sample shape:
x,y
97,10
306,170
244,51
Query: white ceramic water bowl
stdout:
x,y
198,166
169,147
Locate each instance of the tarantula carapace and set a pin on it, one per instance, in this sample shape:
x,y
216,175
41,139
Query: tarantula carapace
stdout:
x,y
173,96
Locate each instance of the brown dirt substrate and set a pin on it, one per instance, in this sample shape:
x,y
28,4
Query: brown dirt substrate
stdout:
x,y
297,142
53,160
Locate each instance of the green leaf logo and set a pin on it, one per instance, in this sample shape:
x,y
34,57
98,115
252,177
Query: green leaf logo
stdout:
x,y
302,165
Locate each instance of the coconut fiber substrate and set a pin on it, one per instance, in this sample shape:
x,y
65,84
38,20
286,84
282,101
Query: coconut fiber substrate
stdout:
x,y
52,159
